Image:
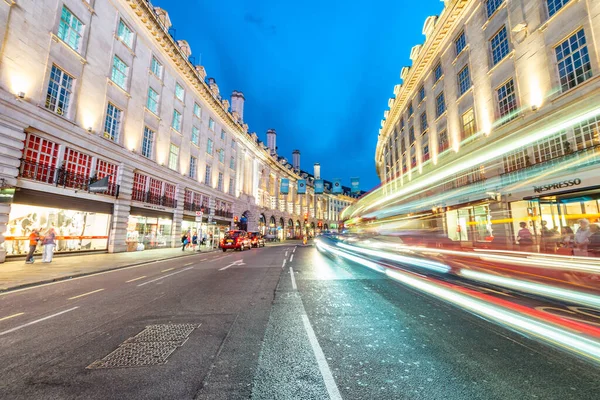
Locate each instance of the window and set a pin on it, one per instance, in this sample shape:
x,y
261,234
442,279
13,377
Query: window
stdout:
x,y
410,110
77,166
440,105
119,72
170,191
464,80
555,5
460,43
515,161
209,146
424,124
197,110
125,34
220,181
491,6
112,123
40,157
69,29
421,93
468,124
587,133
411,134
211,124
401,123
222,134
104,169
179,92
550,148
148,142
573,61
231,186
156,67
425,147
232,162
499,45
507,101
208,175
176,123
443,143
152,102
195,135
221,156
438,72
193,167
139,186
233,144
173,156
58,96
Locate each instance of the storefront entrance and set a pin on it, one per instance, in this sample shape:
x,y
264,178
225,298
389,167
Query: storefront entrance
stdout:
x,y
469,224
148,229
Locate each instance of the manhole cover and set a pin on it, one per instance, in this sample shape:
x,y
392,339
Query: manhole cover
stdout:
x,y
152,346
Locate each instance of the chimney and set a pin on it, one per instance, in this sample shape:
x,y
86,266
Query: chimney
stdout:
x,y
317,171
272,141
237,103
296,159
163,17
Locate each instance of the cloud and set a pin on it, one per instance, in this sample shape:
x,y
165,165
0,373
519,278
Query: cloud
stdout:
x,y
259,23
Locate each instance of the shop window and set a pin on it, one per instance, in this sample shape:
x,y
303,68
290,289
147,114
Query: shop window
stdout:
x,y
39,159
587,133
75,171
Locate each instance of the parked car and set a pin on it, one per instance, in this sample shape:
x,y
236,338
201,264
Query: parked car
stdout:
x,y
256,239
235,240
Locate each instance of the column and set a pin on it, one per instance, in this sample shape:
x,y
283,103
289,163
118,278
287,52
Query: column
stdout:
x,y
178,217
121,210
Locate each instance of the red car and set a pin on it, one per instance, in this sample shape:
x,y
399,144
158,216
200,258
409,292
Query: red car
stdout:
x,y
235,240
256,239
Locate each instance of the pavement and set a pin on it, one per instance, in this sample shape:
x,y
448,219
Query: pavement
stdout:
x,y
281,322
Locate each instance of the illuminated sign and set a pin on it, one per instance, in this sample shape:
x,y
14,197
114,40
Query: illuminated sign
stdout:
x,y
6,195
557,185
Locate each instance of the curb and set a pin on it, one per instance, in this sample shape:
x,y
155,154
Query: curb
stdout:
x,y
67,277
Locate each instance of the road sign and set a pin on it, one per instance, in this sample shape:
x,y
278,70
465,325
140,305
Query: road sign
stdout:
x,y
199,216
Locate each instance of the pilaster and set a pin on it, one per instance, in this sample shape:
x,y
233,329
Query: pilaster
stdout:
x,y
121,210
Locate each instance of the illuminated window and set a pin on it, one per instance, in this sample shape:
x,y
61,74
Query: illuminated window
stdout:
x,y
176,123
440,105
549,149
152,102
515,161
211,124
40,158
77,167
197,110
460,43
193,167
587,133
209,146
69,29
139,187
468,124
424,124
104,169
120,70
60,86
443,143
220,182
148,142
112,122
491,6
438,72
156,67
173,156
179,92
573,61
499,45
125,34
555,5
195,135
464,80
507,101
208,175
421,93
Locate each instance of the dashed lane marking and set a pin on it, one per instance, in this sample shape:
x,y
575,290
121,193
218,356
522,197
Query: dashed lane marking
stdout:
x,y
293,279
36,321
136,279
171,269
85,294
165,276
283,265
292,258
11,316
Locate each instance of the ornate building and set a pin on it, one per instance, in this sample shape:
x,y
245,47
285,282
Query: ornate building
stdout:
x,y
111,133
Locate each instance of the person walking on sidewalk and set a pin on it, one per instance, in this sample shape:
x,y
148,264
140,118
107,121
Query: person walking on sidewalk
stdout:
x,y
184,241
582,238
49,242
34,238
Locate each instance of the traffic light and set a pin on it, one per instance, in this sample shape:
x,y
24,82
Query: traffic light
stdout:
x,y
305,218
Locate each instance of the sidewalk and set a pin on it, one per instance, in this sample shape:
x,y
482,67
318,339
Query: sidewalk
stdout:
x,y
16,274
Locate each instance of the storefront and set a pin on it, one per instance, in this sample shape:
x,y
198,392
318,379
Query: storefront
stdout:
x,y
469,223
290,229
80,224
149,229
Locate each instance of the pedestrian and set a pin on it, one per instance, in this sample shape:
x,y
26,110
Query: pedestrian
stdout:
x,y
34,238
184,241
582,238
48,242
194,241
524,237
594,245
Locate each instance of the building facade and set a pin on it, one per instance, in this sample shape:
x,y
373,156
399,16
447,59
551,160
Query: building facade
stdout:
x,y
496,121
111,134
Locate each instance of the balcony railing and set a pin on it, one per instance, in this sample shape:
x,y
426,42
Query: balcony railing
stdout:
x,y
150,198
61,177
192,207
223,213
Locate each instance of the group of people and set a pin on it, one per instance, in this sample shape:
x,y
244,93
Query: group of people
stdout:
x,y
583,242
47,240
190,240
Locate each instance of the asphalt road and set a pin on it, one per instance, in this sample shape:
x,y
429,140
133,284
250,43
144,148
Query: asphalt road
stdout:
x,y
336,330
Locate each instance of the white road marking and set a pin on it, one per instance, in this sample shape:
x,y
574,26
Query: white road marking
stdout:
x,y
136,279
36,321
332,388
292,258
293,279
11,316
286,254
165,276
85,294
171,269
238,262
283,265
193,262
293,251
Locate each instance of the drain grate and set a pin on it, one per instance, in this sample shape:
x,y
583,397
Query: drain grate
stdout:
x,y
152,346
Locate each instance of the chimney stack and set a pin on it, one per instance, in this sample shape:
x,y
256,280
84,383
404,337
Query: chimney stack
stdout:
x,y
272,141
317,171
296,159
237,103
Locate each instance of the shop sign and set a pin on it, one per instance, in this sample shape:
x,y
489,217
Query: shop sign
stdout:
x,y
6,195
557,185
154,207
99,186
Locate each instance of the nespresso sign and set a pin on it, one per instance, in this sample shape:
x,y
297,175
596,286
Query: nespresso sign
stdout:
x,y
557,185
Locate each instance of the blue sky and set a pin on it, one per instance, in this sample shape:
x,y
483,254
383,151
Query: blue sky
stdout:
x,y
319,72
